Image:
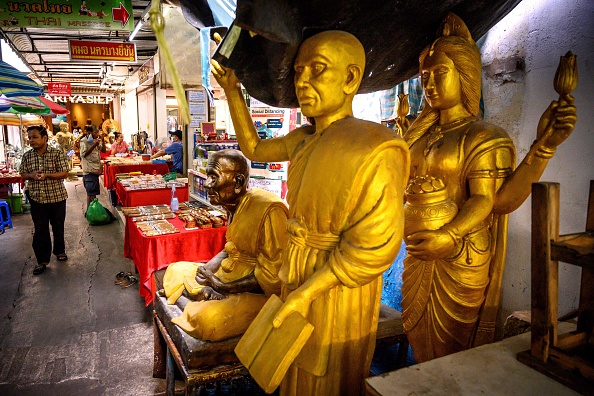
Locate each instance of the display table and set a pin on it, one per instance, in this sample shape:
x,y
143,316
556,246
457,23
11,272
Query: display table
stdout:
x,y
491,369
150,254
153,196
110,170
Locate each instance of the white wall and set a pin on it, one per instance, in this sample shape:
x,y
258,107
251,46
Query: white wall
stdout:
x,y
539,31
129,115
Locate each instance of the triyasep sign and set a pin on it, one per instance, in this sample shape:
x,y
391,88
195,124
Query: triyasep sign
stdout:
x,y
90,99
68,14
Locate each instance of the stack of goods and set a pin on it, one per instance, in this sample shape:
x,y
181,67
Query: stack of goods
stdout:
x,y
201,217
149,213
8,174
156,227
145,182
128,159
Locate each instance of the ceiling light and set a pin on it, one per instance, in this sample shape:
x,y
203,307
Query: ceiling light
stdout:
x,y
135,31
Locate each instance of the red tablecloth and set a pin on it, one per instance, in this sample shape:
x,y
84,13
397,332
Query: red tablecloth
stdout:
x,y
153,196
109,171
151,254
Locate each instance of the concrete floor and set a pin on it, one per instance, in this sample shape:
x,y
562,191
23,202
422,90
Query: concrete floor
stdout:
x,y
70,330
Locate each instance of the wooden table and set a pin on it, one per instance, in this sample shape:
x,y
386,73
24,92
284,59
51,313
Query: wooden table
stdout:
x,y
110,170
153,196
150,254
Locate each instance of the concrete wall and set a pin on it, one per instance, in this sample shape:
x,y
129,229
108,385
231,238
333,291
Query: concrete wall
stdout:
x,y
520,56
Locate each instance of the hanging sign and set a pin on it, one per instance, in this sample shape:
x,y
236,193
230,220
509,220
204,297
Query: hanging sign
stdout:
x,y
103,51
146,72
68,14
89,99
60,89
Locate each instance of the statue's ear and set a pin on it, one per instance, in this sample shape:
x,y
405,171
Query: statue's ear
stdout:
x,y
354,76
240,182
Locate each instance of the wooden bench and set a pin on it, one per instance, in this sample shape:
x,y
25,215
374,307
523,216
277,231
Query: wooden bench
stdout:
x,y
214,364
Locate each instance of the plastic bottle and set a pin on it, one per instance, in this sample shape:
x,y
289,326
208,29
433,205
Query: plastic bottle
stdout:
x,y
174,200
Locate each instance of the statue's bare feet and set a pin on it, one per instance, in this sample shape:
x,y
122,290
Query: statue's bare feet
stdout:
x,y
210,294
161,292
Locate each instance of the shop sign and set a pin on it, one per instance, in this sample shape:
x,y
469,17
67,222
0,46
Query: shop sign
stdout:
x,y
89,99
146,72
68,14
60,89
103,51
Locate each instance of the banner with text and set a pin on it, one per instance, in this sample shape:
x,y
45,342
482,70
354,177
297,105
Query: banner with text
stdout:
x,y
59,89
103,51
68,14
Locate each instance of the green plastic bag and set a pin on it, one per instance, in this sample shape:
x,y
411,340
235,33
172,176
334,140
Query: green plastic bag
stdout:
x,y
170,176
97,214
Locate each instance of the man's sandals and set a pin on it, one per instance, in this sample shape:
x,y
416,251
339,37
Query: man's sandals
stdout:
x,y
39,268
125,279
62,257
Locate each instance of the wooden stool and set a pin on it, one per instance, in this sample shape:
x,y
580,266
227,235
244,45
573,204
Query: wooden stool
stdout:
x,y
569,357
200,363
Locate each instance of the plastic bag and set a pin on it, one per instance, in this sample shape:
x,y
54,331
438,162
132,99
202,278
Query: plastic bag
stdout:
x,y
97,214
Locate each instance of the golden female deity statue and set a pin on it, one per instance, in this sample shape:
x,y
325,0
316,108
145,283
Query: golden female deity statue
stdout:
x,y
462,185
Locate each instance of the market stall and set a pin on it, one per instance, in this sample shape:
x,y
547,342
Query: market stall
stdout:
x,y
110,170
153,196
152,253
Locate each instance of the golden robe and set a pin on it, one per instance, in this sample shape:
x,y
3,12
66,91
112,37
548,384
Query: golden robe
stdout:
x,y
256,239
346,188
442,299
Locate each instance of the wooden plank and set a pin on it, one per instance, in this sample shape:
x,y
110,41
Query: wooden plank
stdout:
x,y
586,305
590,215
544,272
571,340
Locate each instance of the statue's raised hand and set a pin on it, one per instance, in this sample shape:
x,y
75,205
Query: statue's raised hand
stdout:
x,y
225,76
557,122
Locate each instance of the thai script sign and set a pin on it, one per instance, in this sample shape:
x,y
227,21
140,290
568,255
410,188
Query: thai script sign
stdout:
x,y
60,89
103,51
68,14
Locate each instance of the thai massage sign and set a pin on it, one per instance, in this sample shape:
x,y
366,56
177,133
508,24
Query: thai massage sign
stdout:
x,y
103,51
68,14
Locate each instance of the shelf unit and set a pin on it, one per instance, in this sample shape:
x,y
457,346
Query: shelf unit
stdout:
x,y
569,357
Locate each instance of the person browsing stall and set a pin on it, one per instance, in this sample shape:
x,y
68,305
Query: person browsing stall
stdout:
x,y
45,169
91,161
119,146
176,150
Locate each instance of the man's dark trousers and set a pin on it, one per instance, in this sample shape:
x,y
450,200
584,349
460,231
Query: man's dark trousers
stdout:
x,y
43,215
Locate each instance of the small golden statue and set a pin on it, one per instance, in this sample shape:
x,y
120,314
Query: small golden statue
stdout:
x,y
402,123
346,187
230,289
65,140
462,186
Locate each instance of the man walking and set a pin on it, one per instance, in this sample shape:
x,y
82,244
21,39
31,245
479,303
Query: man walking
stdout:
x,y
45,169
91,162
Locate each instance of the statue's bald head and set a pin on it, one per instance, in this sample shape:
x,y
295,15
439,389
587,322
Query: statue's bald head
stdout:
x,y
231,161
328,71
341,45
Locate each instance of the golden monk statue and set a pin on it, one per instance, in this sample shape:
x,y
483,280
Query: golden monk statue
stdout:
x,y
245,273
346,186
65,140
462,185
